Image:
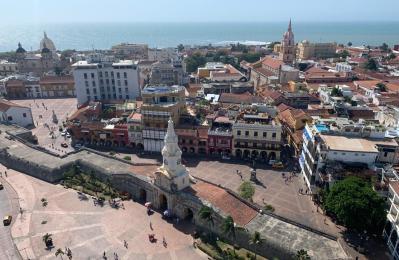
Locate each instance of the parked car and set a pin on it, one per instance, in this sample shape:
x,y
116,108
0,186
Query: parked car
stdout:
x,y
7,220
63,133
65,145
68,135
278,165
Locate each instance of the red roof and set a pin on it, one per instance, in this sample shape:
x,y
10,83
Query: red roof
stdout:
x,y
5,105
272,62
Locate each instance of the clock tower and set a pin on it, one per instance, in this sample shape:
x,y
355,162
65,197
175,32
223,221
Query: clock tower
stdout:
x,y
172,176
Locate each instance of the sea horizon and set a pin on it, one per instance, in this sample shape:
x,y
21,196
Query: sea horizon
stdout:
x,y
94,35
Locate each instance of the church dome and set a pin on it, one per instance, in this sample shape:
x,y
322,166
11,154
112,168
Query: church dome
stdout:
x,y
45,49
20,49
47,43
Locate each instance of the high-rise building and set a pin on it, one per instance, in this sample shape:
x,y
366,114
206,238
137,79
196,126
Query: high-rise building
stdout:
x,y
308,50
106,80
288,48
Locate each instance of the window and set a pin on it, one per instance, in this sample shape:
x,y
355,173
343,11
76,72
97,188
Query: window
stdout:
x,y
125,82
335,152
238,132
94,91
274,135
85,75
92,75
127,96
264,134
88,91
343,153
86,83
246,133
9,118
119,82
255,133
100,74
385,154
112,74
24,114
118,75
254,145
95,98
106,74
93,83
124,74
119,90
126,90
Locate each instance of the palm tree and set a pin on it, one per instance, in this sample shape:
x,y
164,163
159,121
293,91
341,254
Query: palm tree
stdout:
x,y
256,240
59,252
302,255
228,227
206,214
48,240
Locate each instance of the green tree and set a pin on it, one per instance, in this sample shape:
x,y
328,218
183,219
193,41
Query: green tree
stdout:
x,y
180,47
194,61
206,214
381,87
256,240
384,47
391,56
59,252
228,227
356,205
302,255
246,190
349,44
336,92
371,64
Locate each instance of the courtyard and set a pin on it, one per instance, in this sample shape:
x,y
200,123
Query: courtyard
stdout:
x,y
90,230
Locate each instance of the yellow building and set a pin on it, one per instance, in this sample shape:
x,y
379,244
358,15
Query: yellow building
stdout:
x,y
57,86
307,50
277,48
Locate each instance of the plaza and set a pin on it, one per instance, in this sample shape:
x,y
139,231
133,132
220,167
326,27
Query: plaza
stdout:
x,y
90,230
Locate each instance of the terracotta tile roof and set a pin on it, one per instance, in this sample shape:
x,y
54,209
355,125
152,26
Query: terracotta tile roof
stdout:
x,y
282,107
272,62
369,84
57,80
5,105
144,170
246,98
264,72
241,213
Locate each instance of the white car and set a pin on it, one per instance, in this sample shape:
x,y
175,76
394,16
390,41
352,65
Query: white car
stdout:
x,y
63,133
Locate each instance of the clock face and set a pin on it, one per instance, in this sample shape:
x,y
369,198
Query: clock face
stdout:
x,y
165,161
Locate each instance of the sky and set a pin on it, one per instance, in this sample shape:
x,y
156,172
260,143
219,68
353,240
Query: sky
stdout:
x,y
67,11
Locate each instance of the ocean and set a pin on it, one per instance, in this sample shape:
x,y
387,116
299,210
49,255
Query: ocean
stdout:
x,y
87,36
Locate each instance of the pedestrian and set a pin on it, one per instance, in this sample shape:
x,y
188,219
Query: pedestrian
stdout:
x,y
5,173
104,255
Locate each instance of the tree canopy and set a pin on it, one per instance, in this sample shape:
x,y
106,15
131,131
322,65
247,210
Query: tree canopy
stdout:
x,y
371,64
246,190
356,205
336,92
194,61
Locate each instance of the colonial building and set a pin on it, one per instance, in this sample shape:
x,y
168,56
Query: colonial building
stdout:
x,y
159,104
307,50
256,136
12,113
8,68
132,51
57,86
135,131
288,48
100,79
165,73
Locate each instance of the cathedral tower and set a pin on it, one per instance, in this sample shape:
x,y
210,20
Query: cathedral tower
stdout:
x,y
288,48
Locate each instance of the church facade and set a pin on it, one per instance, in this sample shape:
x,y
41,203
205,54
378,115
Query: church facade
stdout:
x,y
40,62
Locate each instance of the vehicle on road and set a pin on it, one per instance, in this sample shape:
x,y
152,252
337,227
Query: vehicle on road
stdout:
x,y
65,145
63,133
7,220
278,165
68,135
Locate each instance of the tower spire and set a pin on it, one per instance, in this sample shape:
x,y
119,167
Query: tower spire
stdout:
x,y
289,26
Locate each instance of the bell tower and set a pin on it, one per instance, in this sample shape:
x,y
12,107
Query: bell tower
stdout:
x,y
288,48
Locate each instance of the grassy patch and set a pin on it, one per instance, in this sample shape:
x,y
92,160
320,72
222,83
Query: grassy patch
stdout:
x,y
220,250
246,190
127,158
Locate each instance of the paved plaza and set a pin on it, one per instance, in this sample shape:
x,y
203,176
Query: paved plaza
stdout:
x,y
90,230
62,107
272,189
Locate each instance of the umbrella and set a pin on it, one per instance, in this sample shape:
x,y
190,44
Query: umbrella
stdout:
x,y
147,204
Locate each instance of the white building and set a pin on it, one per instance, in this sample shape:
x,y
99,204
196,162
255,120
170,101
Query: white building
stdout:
x,y
8,68
391,229
15,114
164,54
99,80
343,67
340,140
132,50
